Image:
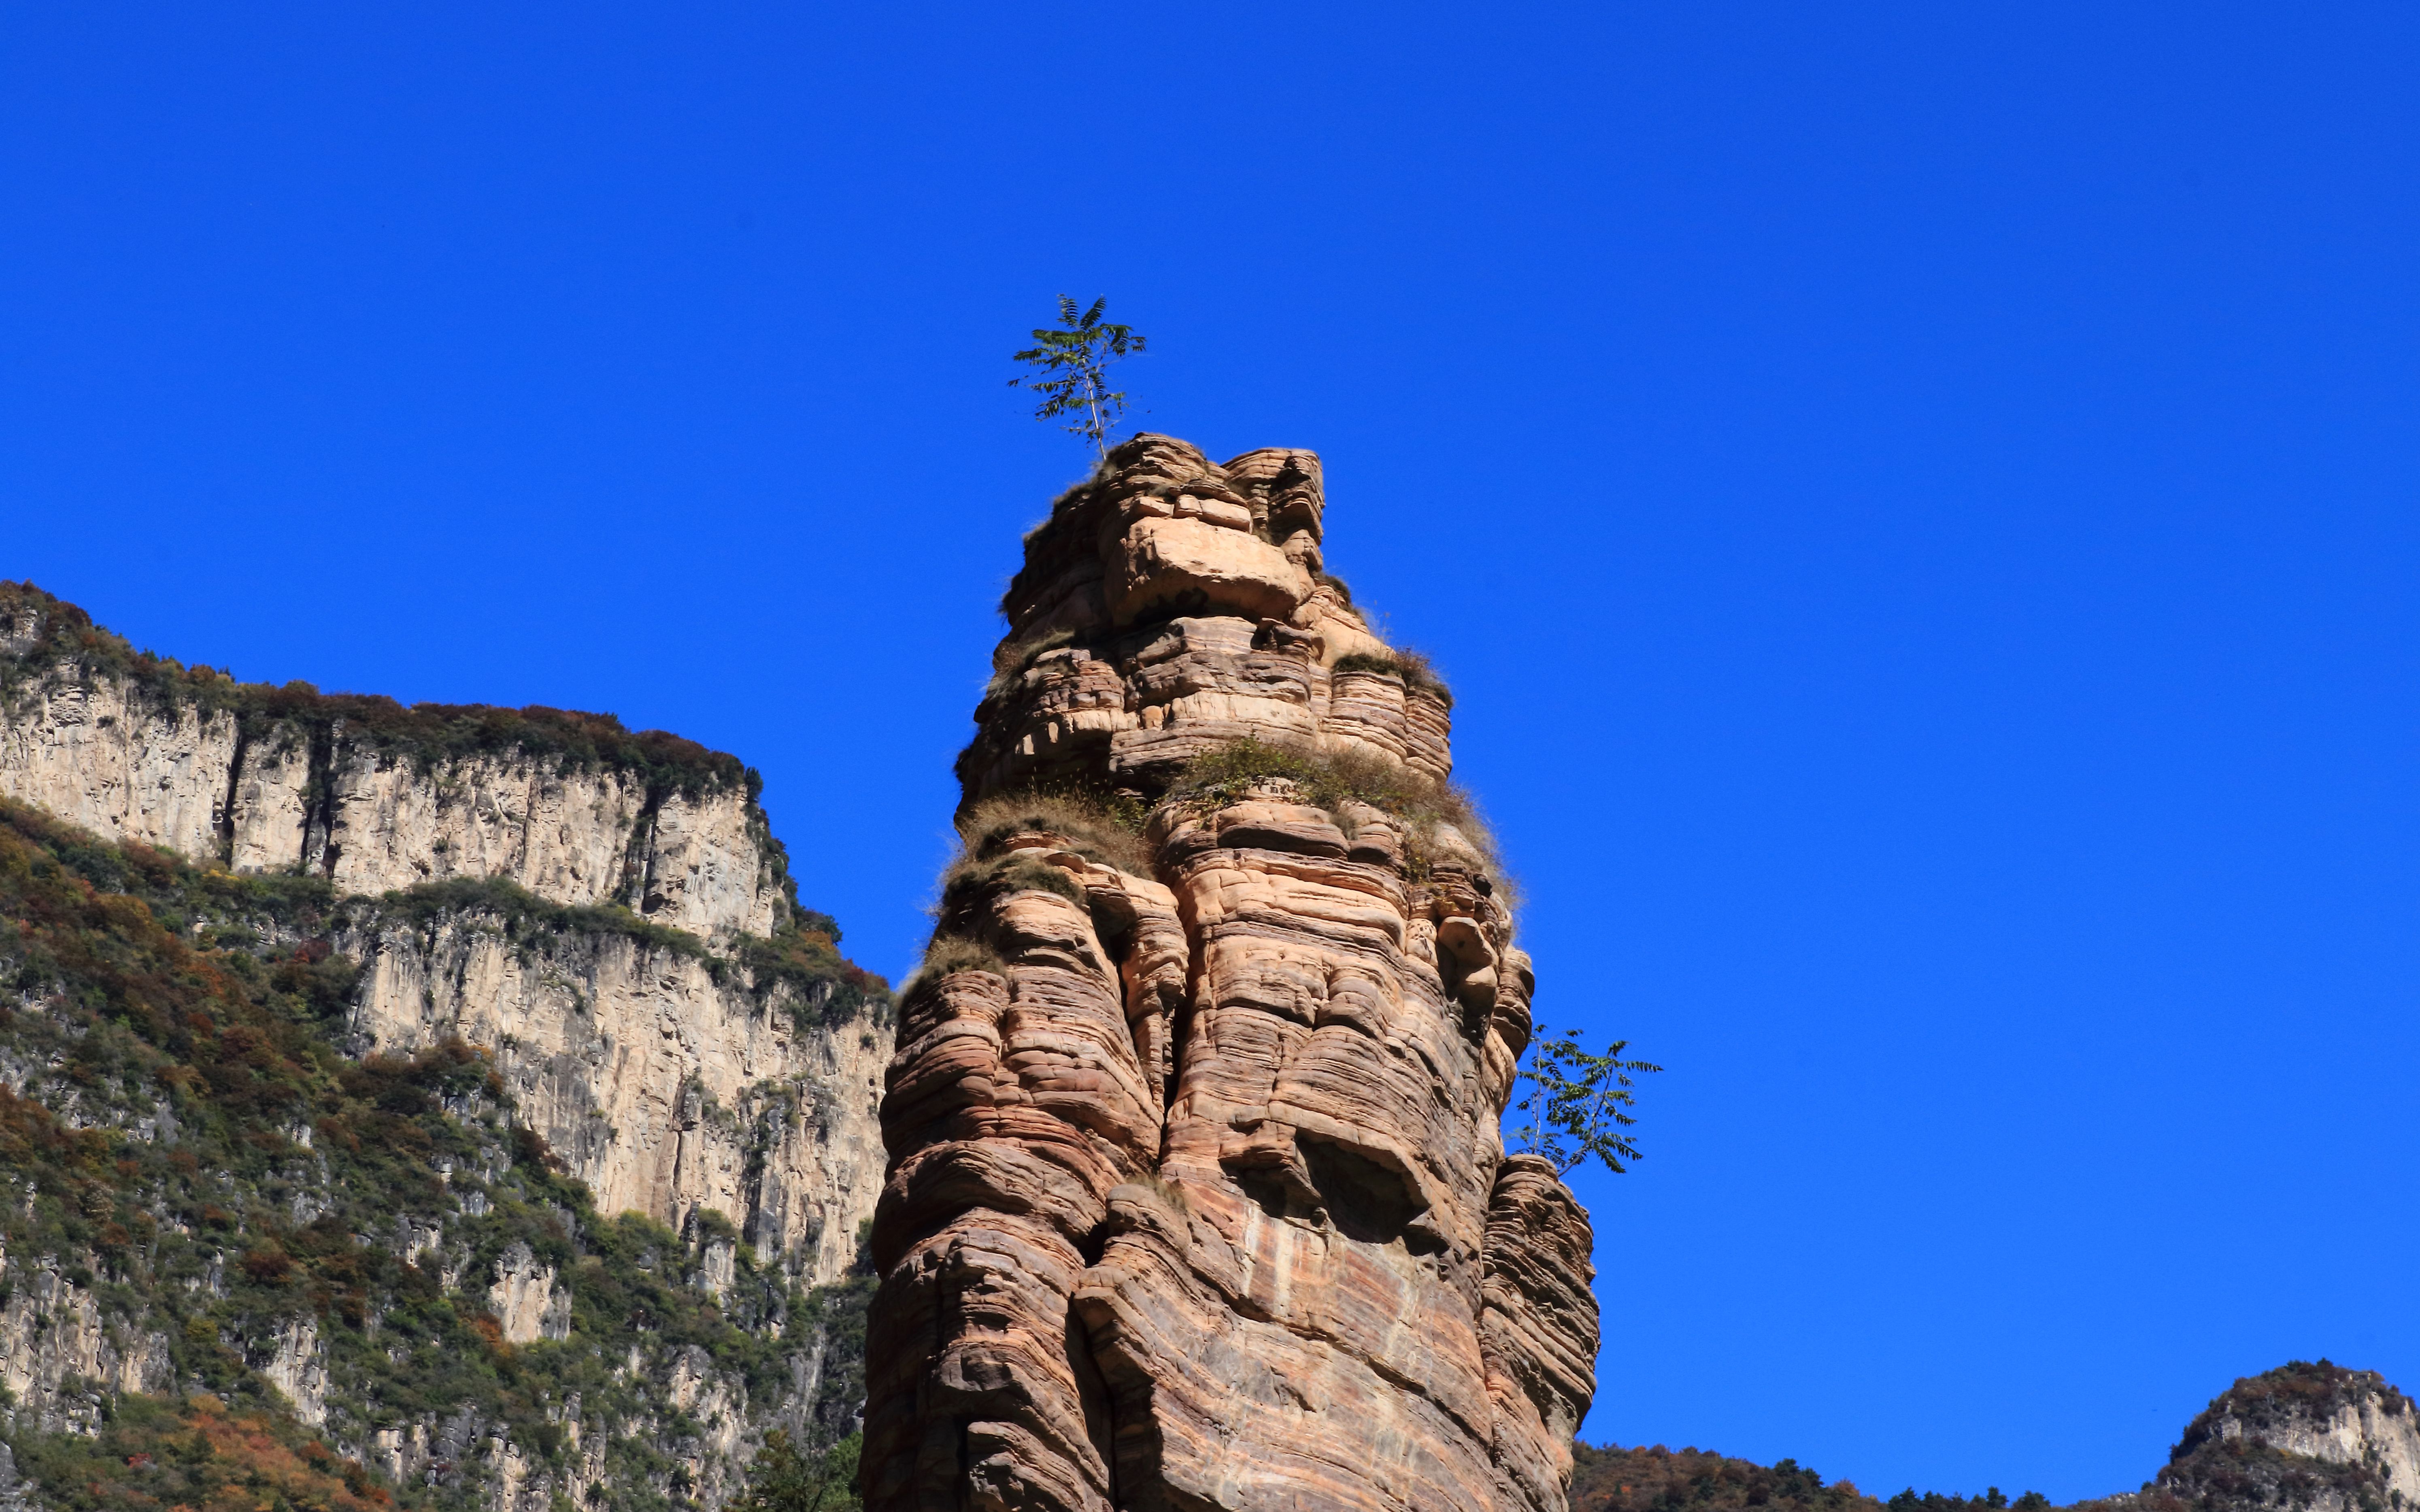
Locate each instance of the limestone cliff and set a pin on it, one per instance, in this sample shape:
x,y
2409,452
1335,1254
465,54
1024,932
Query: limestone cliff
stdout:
x,y
659,1076
1196,1196
641,1020
450,1103
61,1358
370,794
2318,1437
367,1272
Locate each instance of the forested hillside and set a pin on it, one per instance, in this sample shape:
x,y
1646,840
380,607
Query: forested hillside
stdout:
x,y
235,1255
1658,1479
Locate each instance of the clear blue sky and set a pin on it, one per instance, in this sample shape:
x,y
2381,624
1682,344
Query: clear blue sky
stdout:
x,y
1917,500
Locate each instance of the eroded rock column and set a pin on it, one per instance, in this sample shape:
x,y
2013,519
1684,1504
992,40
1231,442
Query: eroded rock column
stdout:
x,y
1196,1196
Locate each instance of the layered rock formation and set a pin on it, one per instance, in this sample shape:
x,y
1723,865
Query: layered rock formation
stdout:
x,y
1196,1196
604,917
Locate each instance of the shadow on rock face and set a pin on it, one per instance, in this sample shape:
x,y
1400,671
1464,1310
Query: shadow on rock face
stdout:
x,y
1368,1201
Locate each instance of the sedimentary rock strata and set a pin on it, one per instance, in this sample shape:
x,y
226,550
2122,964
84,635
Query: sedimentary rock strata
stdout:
x,y
1196,1198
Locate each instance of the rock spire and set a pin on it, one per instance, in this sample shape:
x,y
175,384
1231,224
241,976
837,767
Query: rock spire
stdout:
x,y
1196,1198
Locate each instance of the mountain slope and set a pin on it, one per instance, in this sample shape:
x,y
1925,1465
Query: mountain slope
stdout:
x,y
312,1190
607,912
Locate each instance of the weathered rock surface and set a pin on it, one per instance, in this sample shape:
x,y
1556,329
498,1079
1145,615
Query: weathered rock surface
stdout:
x,y
2313,1436
374,796
668,1086
667,1079
1196,1196
59,1356
604,915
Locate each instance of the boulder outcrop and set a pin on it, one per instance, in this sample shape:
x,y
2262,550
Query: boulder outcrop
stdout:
x,y
1196,1198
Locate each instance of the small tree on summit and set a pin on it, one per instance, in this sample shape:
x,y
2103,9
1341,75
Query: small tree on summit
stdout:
x,y
1070,370
1572,1106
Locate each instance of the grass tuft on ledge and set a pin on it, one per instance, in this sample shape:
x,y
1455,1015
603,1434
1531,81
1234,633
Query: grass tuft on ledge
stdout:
x,y
1249,766
1418,674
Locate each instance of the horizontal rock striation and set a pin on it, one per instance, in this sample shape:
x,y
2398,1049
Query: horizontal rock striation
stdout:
x,y
1196,1196
1125,662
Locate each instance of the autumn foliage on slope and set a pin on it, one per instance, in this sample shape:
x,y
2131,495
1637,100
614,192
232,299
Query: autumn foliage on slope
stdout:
x,y
1694,1480
187,1148
199,1456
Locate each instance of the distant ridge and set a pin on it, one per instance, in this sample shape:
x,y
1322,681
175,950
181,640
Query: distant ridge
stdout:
x,y
2307,1436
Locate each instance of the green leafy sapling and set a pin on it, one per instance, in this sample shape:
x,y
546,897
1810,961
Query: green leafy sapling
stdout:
x,y
1070,370
1571,1102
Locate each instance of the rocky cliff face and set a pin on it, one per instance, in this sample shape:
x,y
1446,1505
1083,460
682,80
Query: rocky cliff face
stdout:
x,y
636,1018
449,1103
1196,1196
370,794
662,1078
60,1357
2308,1436
216,1222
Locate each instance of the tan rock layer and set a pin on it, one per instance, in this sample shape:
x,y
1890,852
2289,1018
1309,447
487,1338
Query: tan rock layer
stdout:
x,y
667,1086
1145,644
285,795
54,1336
1198,1200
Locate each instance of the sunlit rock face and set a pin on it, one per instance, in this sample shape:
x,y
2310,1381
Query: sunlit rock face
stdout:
x,y
669,1089
2315,1437
373,796
1196,1198
661,1074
